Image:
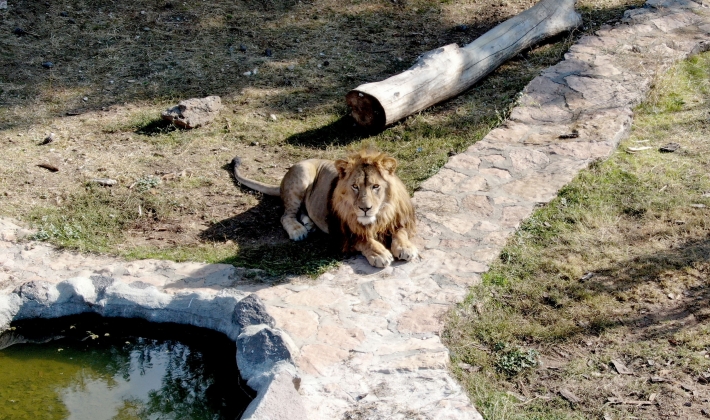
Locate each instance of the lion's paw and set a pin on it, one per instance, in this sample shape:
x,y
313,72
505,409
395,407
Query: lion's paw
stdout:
x,y
297,233
380,260
407,253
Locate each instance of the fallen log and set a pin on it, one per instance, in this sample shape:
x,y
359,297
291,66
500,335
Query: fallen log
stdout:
x,y
445,72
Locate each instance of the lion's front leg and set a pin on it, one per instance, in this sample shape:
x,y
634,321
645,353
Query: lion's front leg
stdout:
x,y
376,253
402,248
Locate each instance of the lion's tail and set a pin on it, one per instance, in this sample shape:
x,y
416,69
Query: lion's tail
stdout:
x,y
263,188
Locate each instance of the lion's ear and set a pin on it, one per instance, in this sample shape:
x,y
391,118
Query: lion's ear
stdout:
x,y
389,164
342,167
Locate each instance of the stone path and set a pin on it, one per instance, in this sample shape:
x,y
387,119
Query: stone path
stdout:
x,y
365,342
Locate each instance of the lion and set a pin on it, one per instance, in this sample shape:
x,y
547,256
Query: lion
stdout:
x,y
359,200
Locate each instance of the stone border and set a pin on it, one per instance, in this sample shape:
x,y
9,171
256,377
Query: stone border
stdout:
x,y
364,343
263,352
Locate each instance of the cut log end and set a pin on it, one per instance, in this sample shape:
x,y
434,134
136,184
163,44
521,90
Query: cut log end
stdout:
x,y
366,109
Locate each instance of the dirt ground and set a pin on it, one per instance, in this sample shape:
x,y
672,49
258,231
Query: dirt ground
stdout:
x,y
97,74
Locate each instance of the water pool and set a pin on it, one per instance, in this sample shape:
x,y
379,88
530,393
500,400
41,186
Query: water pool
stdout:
x,y
92,368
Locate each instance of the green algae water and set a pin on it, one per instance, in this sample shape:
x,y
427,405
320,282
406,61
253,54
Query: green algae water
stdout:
x,y
93,368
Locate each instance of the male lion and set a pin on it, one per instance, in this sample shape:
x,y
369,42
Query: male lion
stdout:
x,y
359,199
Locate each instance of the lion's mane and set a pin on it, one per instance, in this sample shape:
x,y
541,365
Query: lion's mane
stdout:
x,y
396,212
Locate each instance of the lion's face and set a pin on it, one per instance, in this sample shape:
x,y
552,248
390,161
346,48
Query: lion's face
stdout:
x,y
367,189
364,190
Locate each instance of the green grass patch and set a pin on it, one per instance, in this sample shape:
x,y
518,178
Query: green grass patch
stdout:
x,y
311,257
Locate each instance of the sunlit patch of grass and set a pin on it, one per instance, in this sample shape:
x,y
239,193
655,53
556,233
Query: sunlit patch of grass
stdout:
x,y
614,268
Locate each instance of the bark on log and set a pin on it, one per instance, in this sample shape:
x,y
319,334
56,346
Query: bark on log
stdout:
x,y
445,72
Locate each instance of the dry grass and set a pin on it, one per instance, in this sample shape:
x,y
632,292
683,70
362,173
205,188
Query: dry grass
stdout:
x,y
640,224
116,65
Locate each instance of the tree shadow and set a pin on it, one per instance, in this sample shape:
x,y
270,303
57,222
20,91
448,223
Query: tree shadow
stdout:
x,y
340,132
156,127
648,272
263,243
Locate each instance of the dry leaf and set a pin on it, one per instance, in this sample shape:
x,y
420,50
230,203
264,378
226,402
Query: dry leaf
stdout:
x,y
614,400
569,396
621,367
48,166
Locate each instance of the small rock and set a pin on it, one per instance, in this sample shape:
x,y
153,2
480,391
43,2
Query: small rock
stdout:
x,y
246,73
273,117
705,412
688,404
650,362
146,29
85,99
465,366
242,48
50,138
105,182
326,63
255,143
586,276
291,67
698,206
3,4
47,64
63,14
669,148
195,112
268,52
20,32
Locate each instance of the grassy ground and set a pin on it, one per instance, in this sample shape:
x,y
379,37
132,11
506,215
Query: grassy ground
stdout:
x,y
611,275
117,65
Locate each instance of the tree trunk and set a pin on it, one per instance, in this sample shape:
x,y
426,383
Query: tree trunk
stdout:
x,y
447,71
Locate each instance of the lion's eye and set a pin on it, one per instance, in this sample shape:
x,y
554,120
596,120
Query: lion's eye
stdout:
x,y
355,188
376,187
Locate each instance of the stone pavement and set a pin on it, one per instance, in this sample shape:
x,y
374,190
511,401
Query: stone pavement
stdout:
x,y
365,341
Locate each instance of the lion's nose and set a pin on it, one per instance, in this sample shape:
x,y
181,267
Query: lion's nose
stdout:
x,y
365,209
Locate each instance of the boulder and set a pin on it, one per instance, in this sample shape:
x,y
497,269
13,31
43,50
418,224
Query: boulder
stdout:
x,y
195,112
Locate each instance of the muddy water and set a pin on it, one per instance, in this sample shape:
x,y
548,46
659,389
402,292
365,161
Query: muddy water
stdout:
x,y
90,368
